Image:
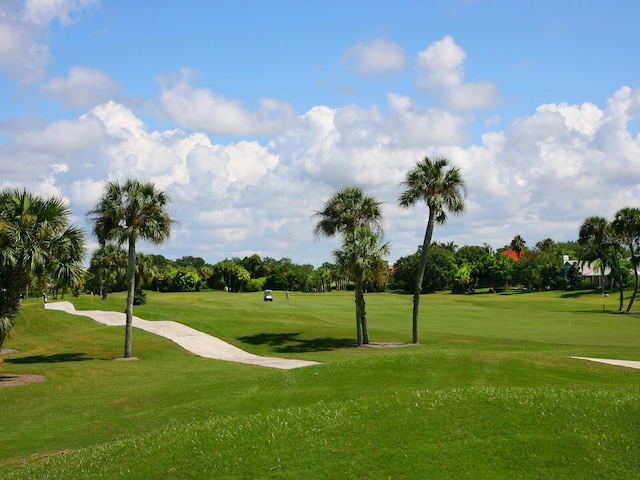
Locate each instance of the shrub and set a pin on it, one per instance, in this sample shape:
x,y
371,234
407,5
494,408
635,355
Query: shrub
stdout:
x,y
140,298
5,327
255,284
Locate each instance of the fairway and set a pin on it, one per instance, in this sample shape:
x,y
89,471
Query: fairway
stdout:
x,y
489,393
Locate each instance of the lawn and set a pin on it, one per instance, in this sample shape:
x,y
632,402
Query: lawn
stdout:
x,y
489,393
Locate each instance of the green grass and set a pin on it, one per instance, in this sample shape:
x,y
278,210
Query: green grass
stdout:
x,y
490,392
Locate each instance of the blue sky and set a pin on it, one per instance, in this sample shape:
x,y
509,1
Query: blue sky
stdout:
x,y
250,113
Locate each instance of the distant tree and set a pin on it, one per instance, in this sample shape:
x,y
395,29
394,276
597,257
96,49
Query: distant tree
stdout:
x,y
518,245
108,266
493,270
405,270
128,212
546,246
146,271
626,224
186,279
230,274
36,237
452,247
602,245
190,261
443,190
253,265
463,279
470,254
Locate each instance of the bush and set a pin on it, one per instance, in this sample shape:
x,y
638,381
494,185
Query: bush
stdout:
x,y
140,298
586,284
255,285
5,327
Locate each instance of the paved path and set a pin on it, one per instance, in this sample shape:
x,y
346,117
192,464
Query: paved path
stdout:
x,y
609,361
188,338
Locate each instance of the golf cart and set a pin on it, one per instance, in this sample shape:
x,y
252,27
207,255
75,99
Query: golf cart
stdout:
x,y
268,297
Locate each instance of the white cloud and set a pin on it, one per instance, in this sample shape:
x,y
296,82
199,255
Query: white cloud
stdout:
x,y
381,56
201,109
82,88
540,177
441,69
64,136
24,49
441,65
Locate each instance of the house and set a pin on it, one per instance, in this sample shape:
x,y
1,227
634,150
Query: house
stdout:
x,y
590,271
511,253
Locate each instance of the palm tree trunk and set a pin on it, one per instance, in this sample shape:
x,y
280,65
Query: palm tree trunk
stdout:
x,y
635,290
420,274
361,310
358,324
130,295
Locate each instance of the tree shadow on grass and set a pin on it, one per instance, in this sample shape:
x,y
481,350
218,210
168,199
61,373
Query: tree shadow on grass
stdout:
x,y
291,343
55,358
581,293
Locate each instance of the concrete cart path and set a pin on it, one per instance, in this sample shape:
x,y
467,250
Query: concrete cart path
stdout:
x,y
609,361
188,338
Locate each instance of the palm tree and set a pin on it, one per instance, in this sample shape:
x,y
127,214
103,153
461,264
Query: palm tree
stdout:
x,y
36,237
443,190
361,255
518,244
627,225
345,211
602,245
128,212
108,264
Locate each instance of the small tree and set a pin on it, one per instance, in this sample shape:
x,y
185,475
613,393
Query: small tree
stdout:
x,y
362,255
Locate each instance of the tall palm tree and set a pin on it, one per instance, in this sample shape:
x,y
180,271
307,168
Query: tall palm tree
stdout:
x,y
36,237
128,212
362,255
627,225
443,190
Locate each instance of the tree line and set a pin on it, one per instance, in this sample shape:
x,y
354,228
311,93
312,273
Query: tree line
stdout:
x,y
41,251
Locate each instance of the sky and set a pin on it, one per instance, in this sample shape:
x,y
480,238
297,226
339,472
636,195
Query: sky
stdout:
x,y
250,114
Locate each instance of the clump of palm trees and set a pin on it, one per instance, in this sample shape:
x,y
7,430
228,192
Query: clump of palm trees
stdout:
x,y
37,241
357,218
604,242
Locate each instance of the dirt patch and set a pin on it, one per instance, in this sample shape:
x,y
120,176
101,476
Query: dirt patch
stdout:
x,y
387,345
8,380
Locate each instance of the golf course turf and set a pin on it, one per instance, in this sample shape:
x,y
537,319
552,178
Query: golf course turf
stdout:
x,y
491,392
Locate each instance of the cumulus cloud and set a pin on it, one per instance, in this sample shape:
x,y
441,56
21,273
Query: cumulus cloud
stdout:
x,y
200,108
381,56
82,88
549,171
540,177
441,70
24,49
